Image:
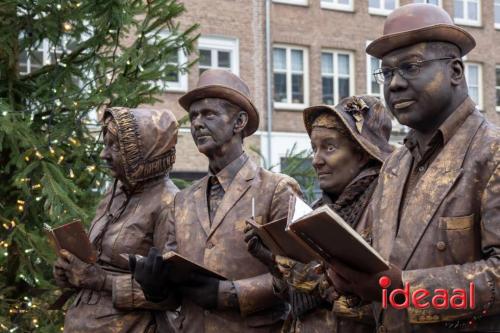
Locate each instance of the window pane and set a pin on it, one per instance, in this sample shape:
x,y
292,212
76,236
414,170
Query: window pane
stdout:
x,y
473,75
343,64
326,63
36,59
472,10
279,59
344,2
343,88
433,2
375,86
224,59
459,9
374,3
498,97
390,4
297,60
474,94
498,76
205,58
280,87
297,88
327,83
173,58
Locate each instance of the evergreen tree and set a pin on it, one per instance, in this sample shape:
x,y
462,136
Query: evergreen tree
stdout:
x,y
61,62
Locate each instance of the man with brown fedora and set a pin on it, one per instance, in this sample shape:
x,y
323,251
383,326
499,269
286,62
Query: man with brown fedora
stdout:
x,y
436,208
207,219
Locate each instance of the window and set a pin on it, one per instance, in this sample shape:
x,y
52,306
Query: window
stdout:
x,y
218,52
39,57
468,12
382,7
176,81
293,2
473,75
498,88
372,86
336,76
290,77
346,5
432,2
497,14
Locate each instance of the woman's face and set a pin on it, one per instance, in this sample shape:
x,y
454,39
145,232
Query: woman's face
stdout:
x,y
111,155
336,159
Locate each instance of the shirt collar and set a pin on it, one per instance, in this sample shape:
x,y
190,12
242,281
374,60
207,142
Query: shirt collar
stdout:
x,y
226,175
444,133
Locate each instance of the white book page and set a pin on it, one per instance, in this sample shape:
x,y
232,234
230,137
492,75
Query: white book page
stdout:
x,y
300,209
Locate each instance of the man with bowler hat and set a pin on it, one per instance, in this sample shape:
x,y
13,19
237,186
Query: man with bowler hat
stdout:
x,y
436,208
207,219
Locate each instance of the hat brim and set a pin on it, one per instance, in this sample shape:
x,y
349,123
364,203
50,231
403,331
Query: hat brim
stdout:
x,y
373,150
435,33
229,94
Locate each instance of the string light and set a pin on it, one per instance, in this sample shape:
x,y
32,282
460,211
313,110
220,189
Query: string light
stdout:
x,y
52,151
71,173
36,186
38,154
61,158
27,158
91,168
67,26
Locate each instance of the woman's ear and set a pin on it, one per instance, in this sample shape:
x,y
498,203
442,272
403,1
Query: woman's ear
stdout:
x,y
241,121
457,71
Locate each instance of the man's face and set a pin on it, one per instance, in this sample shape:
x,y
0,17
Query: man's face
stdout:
x,y
336,159
212,124
111,155
418,102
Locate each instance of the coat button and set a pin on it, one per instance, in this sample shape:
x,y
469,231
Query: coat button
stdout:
x,y
381,329
441,246
210,245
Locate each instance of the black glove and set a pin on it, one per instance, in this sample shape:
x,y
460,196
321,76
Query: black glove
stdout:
x,y
259,250
302,303
152,273
202,290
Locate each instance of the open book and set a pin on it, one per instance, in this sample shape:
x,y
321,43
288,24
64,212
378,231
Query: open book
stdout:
x,y
331,237
73,238
182,268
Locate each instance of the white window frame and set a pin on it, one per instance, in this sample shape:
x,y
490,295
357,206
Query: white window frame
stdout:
x,y
495,4
305,56
467,64
337,6
382,11
181,85
220,43
293,2
369,77
497,89
466,21
440,2
47,51
337,76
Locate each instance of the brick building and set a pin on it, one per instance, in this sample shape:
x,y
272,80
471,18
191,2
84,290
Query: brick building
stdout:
x,y
316,56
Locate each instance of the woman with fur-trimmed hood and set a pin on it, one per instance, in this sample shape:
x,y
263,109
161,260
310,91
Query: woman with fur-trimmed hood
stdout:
x,y
139,150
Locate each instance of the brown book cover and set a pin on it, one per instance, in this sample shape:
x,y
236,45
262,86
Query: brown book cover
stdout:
x,y
73,238
282,243
330,236
182,267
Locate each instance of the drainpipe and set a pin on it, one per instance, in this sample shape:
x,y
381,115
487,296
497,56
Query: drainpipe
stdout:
x,y
269,82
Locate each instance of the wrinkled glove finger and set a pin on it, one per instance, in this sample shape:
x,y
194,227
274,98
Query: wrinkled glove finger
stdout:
x,y
158,266
132,261
60,263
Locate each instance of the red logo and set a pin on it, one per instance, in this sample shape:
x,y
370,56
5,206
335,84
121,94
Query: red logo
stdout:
x,y
440,299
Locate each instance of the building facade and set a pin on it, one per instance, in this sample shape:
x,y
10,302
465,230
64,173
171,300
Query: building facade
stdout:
x,y
316,55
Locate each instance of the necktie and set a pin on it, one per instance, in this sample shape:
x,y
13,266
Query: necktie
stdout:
x,y
216,193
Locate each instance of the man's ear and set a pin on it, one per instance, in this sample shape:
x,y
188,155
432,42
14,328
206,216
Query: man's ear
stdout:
x,y
241,121
457,71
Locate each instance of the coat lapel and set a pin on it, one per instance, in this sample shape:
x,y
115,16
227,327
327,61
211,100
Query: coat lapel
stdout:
x,y
393,181
200,200
431,190
240,184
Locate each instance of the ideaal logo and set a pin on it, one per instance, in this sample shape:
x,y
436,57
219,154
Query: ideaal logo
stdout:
x,y
441,299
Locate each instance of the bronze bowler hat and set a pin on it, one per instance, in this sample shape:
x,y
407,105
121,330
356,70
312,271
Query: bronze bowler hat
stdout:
x,y
416,23
218,83
366,120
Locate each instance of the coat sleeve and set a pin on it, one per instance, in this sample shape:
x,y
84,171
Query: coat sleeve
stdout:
x,y
484,274
127,293
256,293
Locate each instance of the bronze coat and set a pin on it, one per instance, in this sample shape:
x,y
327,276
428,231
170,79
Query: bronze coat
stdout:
x,y
454,237
222,248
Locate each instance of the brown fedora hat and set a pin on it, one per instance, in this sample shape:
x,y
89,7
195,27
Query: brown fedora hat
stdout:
x,y
416,23
219,83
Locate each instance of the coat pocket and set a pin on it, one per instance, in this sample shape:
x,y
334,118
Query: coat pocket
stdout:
x,y
457,237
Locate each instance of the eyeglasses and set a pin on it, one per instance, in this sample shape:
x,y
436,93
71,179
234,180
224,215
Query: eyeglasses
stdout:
x,y
408,70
